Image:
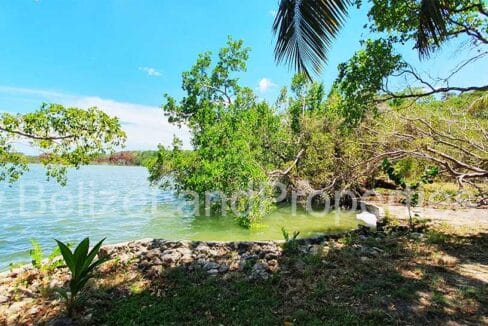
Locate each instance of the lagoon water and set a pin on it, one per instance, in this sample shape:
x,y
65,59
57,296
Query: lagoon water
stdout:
x,y
118,203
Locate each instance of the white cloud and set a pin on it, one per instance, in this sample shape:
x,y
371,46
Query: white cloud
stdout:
x,y
150,71
145,126
265,84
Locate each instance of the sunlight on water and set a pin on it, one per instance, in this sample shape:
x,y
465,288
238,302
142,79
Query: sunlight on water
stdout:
x,y
119,204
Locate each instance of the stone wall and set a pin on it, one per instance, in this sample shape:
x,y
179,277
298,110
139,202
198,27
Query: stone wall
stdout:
x,y
259,258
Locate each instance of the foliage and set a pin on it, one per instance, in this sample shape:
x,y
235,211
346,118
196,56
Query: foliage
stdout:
x,y
313,143
340,285
81,266
37,256
363,76
304,31
441,132
136,158
428,23
410,190
66,137
313,122
291,244
364,81
230,129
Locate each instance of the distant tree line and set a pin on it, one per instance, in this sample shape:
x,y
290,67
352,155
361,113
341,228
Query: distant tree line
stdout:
x,y
127,158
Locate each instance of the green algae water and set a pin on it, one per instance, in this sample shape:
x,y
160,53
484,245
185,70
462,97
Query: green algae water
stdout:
x,y
118,203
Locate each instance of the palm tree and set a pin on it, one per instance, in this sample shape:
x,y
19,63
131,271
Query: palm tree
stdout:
x,y
305,30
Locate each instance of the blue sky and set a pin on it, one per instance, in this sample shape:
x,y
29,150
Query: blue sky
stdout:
x,y
123,55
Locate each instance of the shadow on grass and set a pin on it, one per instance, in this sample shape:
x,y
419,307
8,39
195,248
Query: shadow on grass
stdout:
x,y
377,280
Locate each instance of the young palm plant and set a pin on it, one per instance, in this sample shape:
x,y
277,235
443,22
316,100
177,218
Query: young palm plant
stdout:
x,y
81,265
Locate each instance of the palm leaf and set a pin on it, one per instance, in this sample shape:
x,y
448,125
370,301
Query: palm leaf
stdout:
x,y
62,293
305,30
67,256
80,255
92,255
432,28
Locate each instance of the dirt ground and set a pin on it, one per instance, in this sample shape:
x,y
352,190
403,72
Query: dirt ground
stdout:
x,y
463,217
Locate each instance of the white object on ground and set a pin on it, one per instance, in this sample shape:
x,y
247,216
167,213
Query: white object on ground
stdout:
x,y
368,218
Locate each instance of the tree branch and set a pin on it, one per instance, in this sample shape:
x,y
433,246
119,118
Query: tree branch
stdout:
x,y
35,137
285,172
392,95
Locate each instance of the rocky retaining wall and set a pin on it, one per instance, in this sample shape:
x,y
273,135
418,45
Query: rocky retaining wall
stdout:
x,y
258,257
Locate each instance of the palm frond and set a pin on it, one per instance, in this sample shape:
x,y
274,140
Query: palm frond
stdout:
x,y
305,30
432,26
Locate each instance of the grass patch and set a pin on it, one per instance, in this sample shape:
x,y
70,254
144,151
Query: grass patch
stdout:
x,y
386,278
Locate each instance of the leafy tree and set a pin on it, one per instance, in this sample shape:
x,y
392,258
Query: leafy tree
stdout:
x,y
364,81
362,78
230,129
327,152
65,137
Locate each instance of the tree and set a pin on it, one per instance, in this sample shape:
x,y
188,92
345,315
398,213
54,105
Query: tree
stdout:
x,y
449,133
305,29
410,190
230,131
65,137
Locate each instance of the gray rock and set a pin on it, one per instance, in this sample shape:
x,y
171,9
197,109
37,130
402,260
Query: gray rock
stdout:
x,y
213,271
61,321
155,270
55,283
211,265
186,259
248,256
3,299
416,235
271,255
170,257
153,253
223,268
202,248
243,246
15,308
33,311
259,272
184,251
156,261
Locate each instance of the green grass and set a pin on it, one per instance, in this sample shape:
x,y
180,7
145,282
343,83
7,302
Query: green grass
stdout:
x,y
403,283
196,299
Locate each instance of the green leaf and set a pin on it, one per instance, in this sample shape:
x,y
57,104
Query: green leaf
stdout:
x,y
80,256
67,256
62,292
93,253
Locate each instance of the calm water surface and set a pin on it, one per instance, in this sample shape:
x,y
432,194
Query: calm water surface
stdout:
x,y
118,203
